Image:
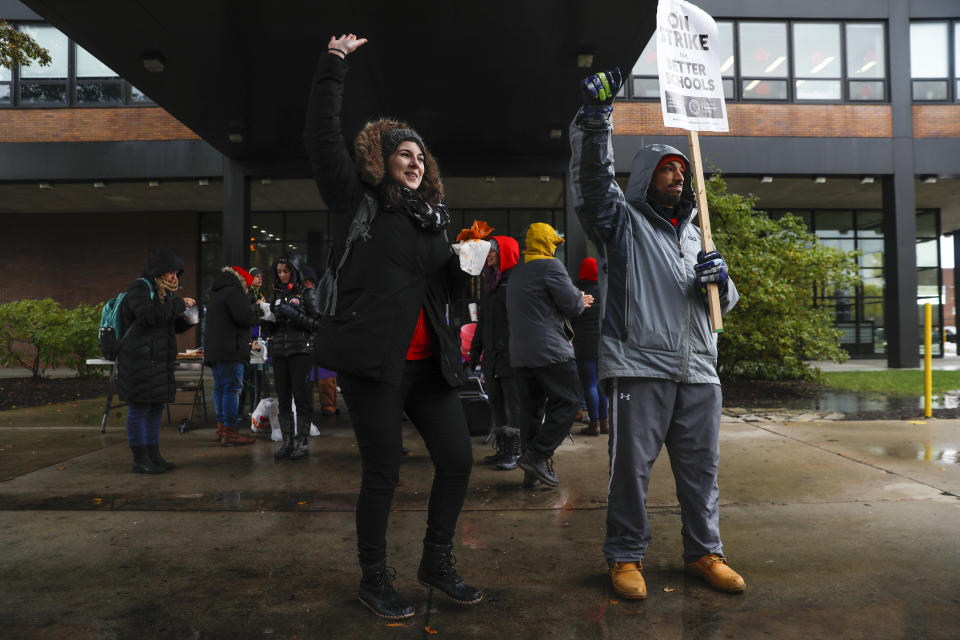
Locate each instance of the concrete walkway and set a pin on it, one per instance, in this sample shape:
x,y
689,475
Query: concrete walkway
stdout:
x,y
841,530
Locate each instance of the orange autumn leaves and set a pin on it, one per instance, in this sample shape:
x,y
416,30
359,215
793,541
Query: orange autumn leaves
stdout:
x,y
477,231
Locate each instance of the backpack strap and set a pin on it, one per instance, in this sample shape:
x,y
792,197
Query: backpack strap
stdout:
x,y
359,230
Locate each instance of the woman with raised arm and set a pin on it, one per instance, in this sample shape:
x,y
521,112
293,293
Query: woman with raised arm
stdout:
x,y
388,338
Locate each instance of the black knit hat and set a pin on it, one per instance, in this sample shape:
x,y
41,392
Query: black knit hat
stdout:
x,y
392,139
255,272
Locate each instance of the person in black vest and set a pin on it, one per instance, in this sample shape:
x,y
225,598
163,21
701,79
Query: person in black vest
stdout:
x,y
148,352
389,339
226,346
289,348
586,347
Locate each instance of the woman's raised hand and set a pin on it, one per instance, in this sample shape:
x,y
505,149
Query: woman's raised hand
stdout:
x,y
345,44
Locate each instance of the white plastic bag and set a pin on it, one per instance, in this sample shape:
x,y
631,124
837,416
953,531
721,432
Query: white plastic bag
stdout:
x,y
267,416
267,312
473,255
259,355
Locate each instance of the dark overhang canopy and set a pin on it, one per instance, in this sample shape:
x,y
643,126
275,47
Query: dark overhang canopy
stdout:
x,y
483,82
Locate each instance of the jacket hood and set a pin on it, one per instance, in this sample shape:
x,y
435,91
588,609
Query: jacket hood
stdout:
x,y
160,260
588,269
368,151
641,173
294,262
227,277
540,241
509,252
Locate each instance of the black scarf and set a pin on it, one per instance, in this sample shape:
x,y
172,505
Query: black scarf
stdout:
x,y
427,217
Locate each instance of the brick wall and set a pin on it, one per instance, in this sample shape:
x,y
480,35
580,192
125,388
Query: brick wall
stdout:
x,y
91,125
781,120
936,121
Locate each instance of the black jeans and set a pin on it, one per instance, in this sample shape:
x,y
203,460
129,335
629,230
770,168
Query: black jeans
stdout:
x,y
290,379
558,386
435,410
504,402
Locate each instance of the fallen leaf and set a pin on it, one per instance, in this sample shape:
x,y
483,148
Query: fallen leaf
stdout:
x,y
60,468
669,589
394,624
302,502
430,630
97,500
614,602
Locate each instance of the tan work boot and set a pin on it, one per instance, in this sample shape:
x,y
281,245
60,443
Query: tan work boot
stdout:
x,y
604,425
718,574
628,580
232,438
592,429
220,432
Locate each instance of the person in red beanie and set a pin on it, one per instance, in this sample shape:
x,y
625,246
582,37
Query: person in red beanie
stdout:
x,y
586,347
492,342
226,349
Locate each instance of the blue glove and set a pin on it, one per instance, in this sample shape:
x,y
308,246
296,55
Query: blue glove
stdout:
x,y
711,267
598,92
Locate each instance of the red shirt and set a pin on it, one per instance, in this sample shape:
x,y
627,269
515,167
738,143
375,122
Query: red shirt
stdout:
x,y
421,346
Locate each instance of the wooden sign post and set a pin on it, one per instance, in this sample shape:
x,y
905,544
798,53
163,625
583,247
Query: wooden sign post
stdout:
x,y
700,189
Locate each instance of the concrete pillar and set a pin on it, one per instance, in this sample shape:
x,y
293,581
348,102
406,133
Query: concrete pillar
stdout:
x,y
236,213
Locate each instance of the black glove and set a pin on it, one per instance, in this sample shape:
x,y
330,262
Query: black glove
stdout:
x,y
711,267
286,310
598,91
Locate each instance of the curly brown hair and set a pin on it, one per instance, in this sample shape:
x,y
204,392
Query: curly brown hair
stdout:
x,y
368,151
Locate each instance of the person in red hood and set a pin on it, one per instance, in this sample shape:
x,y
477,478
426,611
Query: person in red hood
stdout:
x,y
586,347
491,351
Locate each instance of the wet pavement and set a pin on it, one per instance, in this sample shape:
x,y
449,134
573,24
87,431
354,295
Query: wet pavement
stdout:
x,y
841,530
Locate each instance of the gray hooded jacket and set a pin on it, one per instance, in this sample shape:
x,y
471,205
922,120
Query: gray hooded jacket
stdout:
x,y
655,321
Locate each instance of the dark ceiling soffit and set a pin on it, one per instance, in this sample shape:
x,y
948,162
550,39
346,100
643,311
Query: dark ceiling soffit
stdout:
x,y
441,66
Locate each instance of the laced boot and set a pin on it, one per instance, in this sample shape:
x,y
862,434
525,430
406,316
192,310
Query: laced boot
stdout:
x,y
287,446
301,446
437,572
592,429
604,425
153,452
511,452
530,481
142,462
376,592
541,466
499,443
220,431
714,569
627,579
231,437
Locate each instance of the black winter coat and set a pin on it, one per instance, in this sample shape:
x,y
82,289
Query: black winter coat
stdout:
x,y
149,351
492,337
226,335
287,338
586,327
389,277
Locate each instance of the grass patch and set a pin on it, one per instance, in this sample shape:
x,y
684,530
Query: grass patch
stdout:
x,y
891,381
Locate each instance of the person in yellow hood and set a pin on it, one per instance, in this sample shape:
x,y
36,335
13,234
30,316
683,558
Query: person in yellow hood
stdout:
x,y
541,302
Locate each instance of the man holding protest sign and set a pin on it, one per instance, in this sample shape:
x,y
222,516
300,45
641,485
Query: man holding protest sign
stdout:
x,y
656,347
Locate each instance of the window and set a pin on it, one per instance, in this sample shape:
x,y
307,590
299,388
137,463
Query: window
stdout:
x,y
96,82
764,65
6,80
785,60
929,61
45,85
816,60
866,61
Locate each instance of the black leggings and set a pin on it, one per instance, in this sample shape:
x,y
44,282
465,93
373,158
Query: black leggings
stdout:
x,y
435,410
290,379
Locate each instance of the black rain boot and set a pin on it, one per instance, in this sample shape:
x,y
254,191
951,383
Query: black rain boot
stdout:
x,y
153,451
437,572
511,454
500,442
286,428
142,462
376,592
302,440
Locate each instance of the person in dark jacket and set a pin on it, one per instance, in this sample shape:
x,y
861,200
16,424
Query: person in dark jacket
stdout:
x,y
289,348
656,341
490,350
226,346
541,302
586,346
253,375
153,314
388,338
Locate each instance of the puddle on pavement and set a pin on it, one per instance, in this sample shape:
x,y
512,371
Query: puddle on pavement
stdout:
x,y
852,403
908,451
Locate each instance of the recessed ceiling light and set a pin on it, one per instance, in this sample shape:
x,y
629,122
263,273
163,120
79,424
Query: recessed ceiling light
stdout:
x,y
99,184
45,185
766,179
203,182
867,180
153,183
154,62
820,179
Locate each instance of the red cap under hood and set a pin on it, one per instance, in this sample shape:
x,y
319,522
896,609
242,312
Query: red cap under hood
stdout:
x,y
509,252
588,269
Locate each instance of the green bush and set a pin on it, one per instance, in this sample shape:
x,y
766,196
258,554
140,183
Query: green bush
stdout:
x,y
40,334
775,263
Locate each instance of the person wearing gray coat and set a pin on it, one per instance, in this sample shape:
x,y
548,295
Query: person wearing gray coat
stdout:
x,y
656,342
541,302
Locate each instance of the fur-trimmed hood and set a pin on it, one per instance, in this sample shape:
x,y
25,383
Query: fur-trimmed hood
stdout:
x,y
228,278
368,150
